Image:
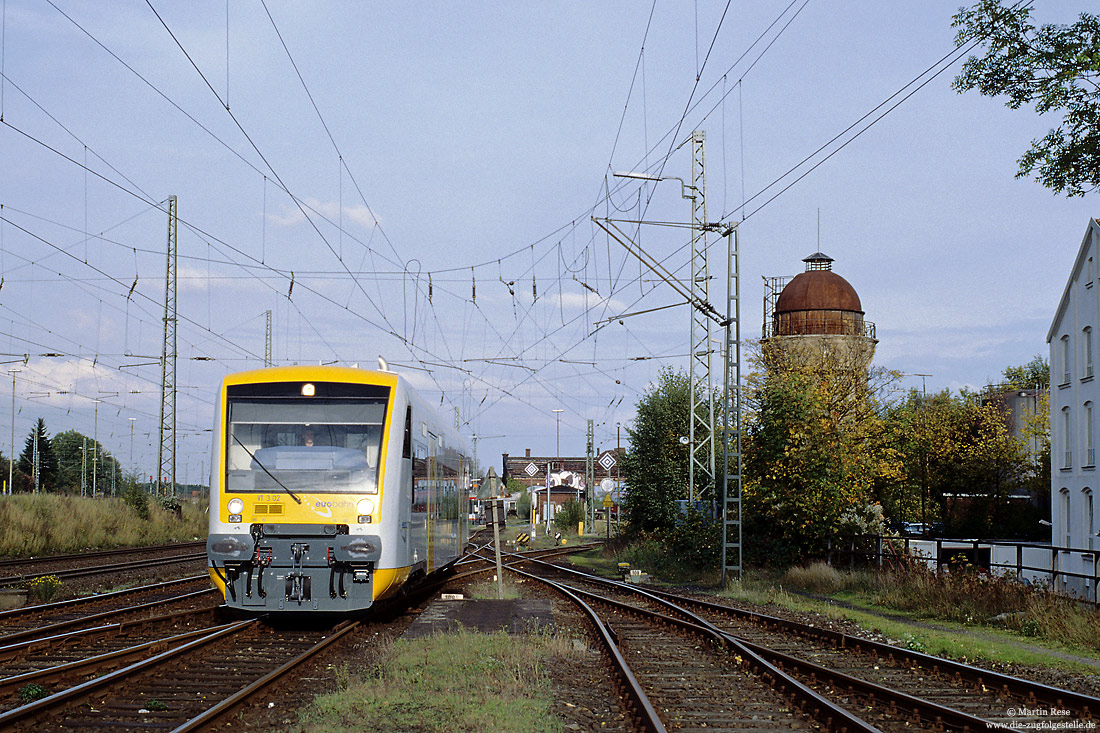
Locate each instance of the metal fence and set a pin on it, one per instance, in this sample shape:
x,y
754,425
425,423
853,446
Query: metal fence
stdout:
x,y
1073,571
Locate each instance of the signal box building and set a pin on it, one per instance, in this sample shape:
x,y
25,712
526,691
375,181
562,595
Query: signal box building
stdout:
x,y
1074,411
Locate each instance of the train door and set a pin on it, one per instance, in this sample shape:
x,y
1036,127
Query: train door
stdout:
x,y
408,490
433,497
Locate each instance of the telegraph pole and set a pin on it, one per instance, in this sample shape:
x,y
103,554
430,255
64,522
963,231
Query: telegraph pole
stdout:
x,y
166,452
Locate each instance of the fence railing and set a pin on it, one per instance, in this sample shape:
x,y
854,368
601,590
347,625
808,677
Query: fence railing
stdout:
x,y
1071,570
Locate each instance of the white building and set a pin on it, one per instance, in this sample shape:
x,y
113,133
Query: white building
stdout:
x,y
1074,411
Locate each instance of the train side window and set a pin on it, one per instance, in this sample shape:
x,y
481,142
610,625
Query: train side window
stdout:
x,y
406,449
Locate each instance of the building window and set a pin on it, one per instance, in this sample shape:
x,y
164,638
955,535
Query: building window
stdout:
x,y
1086,351
1067,442
1063,517
1091,273
1067,357
1090,446
1087,521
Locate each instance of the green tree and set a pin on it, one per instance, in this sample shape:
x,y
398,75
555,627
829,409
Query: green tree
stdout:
x,y
960,460
1034,374
655,467
1056,68
70,447
814,448
47,463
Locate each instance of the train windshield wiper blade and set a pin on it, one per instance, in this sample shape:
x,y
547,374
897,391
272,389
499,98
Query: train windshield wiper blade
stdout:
x,y
261,465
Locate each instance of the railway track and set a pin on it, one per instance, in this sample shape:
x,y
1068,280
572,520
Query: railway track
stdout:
x,y
70,573
853,682
164,656
47,562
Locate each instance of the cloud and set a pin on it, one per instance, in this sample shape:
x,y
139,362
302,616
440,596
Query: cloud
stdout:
x,y
358,214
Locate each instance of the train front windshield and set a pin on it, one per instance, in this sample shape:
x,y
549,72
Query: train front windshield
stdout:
x,y
303,445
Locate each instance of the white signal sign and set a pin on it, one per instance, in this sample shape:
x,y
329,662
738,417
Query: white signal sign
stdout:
x,y
531,469
607,460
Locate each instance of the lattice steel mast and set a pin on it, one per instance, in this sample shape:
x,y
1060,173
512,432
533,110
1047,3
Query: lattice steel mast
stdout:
x,y
166,452
701,430
267,339
732,556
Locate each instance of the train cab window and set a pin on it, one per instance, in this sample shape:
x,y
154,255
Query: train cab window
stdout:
x,y
317,444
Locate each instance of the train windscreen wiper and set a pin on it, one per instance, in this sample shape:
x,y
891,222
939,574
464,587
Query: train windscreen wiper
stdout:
x,y
261,465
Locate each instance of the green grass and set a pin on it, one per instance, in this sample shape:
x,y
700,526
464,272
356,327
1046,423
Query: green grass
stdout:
x,y
962,603
44,524
455,682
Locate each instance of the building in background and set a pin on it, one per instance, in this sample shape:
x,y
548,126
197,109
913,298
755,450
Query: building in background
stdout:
x,y
1074,406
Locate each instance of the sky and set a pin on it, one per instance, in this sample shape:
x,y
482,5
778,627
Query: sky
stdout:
x,y
418,181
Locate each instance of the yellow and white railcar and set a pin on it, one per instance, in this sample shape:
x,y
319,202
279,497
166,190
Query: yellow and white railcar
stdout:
x,y
331,488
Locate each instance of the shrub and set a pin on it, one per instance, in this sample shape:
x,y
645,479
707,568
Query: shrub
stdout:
x,y
696,540
44,588
137,499
569,515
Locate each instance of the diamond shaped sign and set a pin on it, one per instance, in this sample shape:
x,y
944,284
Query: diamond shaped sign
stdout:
x,y
531,469
607,460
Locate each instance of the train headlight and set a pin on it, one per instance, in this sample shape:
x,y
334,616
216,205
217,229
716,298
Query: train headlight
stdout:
x,y
235,506
365,508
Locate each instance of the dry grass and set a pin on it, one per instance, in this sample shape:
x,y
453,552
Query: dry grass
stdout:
x,y
825,579
45,524
963,594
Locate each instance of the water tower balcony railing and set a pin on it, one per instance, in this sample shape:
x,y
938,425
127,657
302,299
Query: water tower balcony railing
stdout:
x,y
826,325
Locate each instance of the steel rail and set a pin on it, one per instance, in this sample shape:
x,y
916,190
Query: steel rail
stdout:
x,y
637,701
90,664
27,610
24,712
105,569
7,639
824,710
228,705
12,651
1085,704
12,561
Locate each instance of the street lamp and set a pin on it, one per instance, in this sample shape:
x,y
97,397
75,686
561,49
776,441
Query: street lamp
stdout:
x,y
11,458
557,431
684,188
132,469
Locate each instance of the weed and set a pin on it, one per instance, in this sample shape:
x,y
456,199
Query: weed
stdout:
x,y
44,588
912,643
156,705
30,693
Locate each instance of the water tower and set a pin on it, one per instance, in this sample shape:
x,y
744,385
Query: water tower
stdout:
x,y
816,316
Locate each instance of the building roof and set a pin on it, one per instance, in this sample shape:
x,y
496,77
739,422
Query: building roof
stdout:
x,y
1082,251
818,290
